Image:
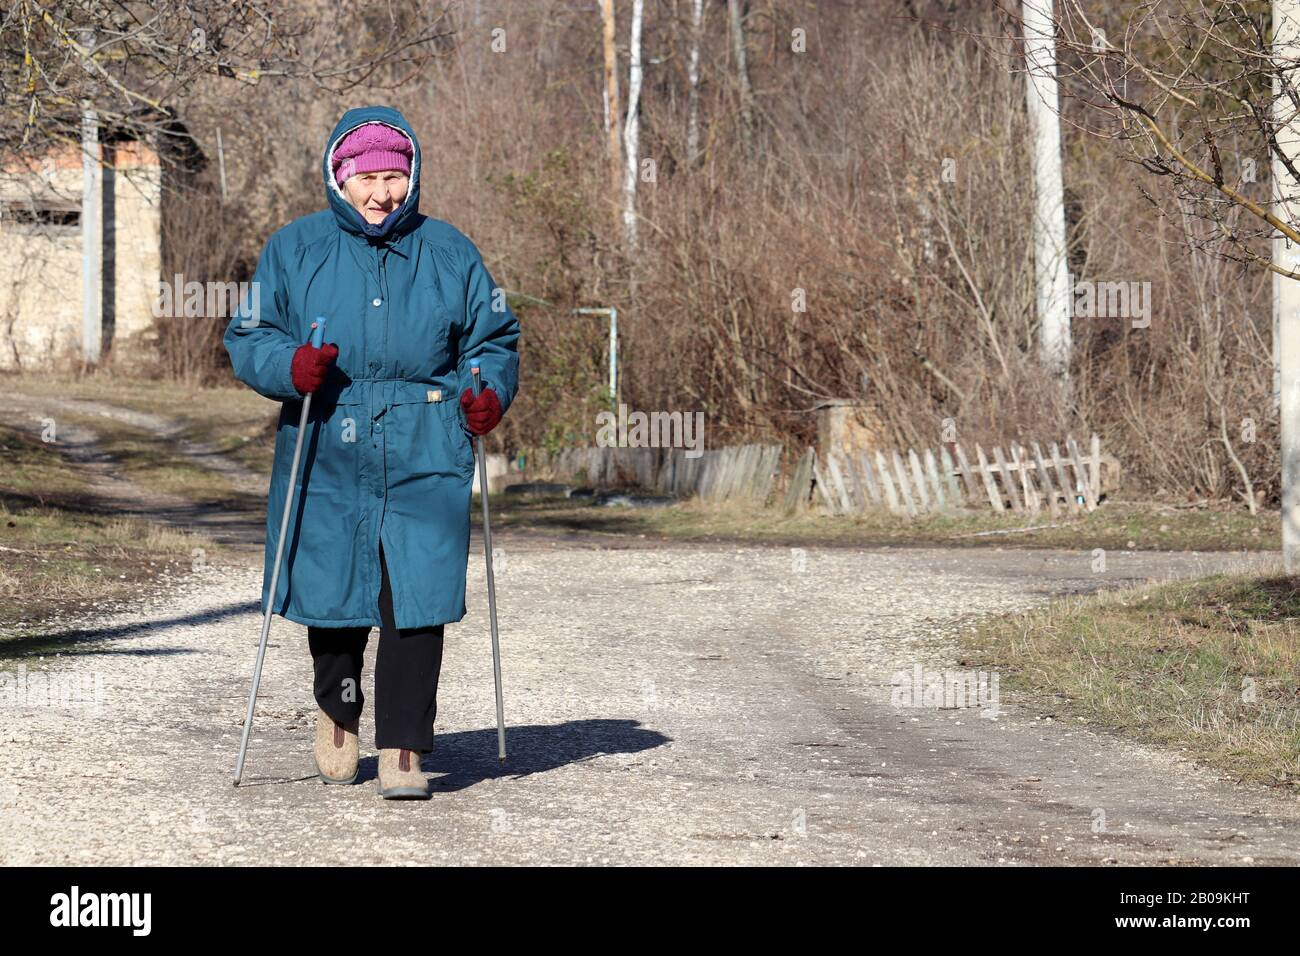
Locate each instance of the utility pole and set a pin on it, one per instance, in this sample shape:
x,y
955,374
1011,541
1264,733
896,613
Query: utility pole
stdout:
x,y
91,252
613,111
1286,292
1051,265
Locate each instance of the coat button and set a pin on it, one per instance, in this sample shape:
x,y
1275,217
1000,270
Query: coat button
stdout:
x,y
379,428
376,302
379,492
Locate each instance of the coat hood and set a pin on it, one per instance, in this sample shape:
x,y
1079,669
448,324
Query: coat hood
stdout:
x,y
407,215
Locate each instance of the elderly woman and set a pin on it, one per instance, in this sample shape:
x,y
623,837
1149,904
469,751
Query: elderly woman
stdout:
x,y
379,533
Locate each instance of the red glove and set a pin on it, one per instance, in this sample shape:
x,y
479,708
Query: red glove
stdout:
x,y
483,413
310,366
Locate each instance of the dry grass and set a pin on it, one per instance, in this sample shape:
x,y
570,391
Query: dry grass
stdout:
x,y
58,554
1210,668
1115,526
55,561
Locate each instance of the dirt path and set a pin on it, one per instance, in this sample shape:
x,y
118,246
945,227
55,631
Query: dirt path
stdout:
x,y
114,492
204,454
664,704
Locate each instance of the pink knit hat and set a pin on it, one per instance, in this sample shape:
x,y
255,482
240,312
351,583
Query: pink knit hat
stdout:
x,y
371,148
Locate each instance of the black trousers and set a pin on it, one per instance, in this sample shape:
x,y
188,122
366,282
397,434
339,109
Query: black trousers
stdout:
x,y
407,665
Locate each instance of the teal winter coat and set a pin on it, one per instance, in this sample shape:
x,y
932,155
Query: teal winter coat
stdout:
x,y
387,454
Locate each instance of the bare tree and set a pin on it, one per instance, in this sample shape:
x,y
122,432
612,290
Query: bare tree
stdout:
x,y
134,61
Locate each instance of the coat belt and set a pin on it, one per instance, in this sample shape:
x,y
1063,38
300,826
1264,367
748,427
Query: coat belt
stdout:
x,y
380,393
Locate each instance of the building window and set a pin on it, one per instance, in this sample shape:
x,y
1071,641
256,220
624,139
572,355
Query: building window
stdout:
x,y
40,218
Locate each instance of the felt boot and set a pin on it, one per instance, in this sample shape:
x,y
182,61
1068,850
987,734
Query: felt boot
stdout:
x,y
400,777
337,749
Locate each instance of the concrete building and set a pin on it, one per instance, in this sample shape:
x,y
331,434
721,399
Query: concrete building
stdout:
x,y
41,321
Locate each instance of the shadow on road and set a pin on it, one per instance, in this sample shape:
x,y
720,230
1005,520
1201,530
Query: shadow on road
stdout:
x,y
468,757
75,640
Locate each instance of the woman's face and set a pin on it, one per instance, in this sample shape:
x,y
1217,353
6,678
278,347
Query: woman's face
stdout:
x,y
375,195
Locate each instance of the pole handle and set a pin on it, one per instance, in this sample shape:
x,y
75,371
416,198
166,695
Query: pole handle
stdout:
x,y
318,332
475,373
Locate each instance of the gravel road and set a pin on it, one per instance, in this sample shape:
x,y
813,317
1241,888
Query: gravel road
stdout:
x,y
665,704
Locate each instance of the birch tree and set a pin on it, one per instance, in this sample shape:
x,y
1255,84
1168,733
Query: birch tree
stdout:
x,y
738,11
632,129
693,74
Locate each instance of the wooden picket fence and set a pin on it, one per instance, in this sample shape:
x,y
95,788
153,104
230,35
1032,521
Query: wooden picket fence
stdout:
x,y
744,472
1028,479
1023,479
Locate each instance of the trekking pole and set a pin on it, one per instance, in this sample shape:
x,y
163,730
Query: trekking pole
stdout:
x,y
491,578
317,340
